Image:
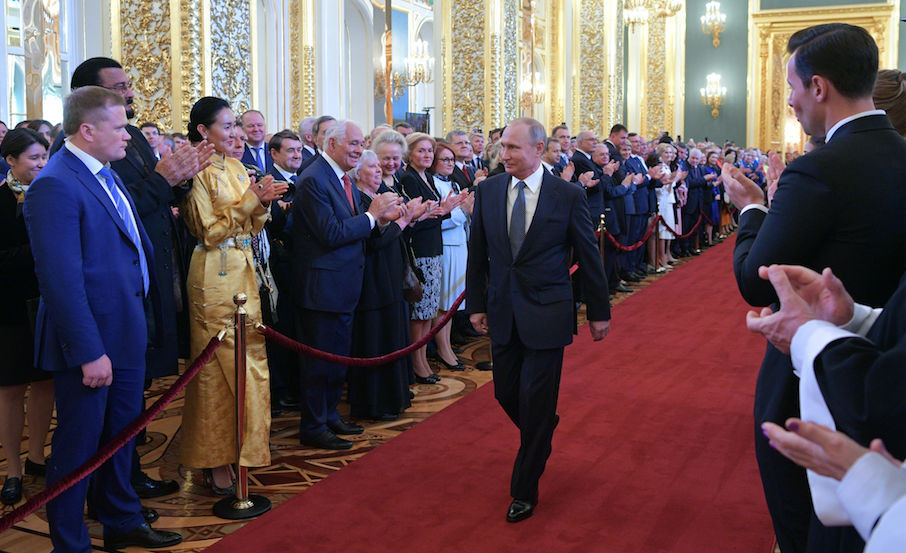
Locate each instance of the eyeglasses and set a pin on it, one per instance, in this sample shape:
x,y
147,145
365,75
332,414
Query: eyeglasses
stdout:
x,y
445,160
120,87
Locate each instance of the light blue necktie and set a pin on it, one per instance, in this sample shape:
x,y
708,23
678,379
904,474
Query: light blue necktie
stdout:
x,y
258,157
122,207
517,220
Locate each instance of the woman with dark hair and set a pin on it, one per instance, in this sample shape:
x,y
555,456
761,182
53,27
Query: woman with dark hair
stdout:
x,y
427,244
455,252
25,151
225,210
42,127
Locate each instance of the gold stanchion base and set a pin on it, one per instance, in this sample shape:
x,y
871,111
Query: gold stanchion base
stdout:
x,y
230,508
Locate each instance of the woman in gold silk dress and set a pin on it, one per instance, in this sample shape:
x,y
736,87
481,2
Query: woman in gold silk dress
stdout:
x,y
225,209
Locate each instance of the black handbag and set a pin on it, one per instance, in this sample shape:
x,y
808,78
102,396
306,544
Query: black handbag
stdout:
x,y
413,280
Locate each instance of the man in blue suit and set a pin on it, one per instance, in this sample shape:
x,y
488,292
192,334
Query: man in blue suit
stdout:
x,y
95,268
257,151
328,267
524,224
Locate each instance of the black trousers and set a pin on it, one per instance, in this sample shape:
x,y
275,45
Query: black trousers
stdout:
x,y
526,384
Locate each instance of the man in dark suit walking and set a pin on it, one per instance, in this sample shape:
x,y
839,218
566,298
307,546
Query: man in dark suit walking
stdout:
x,y
328,266
523,226
819,219
95,268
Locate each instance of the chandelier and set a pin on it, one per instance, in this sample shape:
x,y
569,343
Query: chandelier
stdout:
x,y
419,68
638,12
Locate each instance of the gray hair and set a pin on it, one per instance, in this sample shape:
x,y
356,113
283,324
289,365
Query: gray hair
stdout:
x,y
367,155
305,126
453,133
338,131
694,151
390,137
84,105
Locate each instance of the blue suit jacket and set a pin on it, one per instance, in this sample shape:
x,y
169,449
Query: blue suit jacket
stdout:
x,y
92,294
533,290
249,158
328,242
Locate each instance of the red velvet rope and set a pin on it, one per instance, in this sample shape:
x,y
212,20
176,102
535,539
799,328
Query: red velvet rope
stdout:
x,y
644,239
290,344
111,447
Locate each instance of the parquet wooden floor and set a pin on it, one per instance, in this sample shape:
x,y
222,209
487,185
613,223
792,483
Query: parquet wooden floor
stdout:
x,y
294,468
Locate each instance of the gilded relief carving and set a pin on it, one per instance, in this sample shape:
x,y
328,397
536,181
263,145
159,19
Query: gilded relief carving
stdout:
x,y
308,76
295,59
592,62
467,84
616,91
231,70
655,78
146,58
511,16
496,113
192,87
557,112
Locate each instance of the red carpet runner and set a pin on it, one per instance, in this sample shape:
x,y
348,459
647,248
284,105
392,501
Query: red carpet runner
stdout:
x,y
654,452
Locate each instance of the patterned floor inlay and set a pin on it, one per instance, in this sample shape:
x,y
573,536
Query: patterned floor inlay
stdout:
x,y
294,468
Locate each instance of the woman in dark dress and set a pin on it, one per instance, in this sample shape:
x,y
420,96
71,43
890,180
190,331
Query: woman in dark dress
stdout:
x,y
426,243
26,153
381,322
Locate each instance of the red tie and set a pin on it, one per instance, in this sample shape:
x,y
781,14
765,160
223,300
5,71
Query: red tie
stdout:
x,y
347,185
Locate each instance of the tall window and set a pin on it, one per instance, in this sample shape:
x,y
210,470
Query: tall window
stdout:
x,y
37,59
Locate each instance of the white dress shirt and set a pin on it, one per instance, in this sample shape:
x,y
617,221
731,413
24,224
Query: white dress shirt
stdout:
x,y
532,190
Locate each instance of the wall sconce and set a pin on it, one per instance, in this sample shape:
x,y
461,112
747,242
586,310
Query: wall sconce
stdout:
x,y
713,22
638,12
714,95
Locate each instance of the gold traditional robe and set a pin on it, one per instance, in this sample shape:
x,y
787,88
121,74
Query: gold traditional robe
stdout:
x,y
220,207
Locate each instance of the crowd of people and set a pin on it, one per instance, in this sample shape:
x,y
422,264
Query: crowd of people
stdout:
x,y
324,229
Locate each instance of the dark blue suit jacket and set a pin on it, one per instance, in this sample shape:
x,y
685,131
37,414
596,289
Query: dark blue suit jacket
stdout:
x,y
533,290
640,195
249,158
92,294
328,242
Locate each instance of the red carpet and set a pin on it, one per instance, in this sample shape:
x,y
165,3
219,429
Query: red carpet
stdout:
x,y
653,453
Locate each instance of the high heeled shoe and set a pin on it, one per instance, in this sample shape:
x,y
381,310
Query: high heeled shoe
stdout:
x,y
457,367
431,379
34,469
209,483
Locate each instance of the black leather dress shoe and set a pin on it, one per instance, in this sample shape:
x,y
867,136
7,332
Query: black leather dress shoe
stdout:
x,y
620,288
287,403
431,379
148,488
34,469
630,277
326,440
143,536
12,491
520,509
341,427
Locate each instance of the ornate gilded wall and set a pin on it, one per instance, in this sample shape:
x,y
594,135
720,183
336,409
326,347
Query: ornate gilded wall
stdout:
x,y
302,58
653,113
231,71
176,57
555,97
615,101
466,64
593,78
512,22
147,56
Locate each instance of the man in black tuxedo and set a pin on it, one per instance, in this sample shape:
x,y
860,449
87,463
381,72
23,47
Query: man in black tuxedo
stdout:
x,y
618,135
256,151
524,224
328,266
818,218
286,149
155,186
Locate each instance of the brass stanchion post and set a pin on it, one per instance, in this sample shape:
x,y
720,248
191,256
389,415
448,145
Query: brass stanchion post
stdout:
x,y
602,230
242,506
